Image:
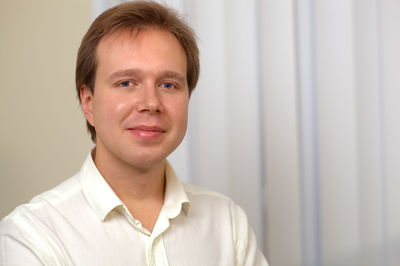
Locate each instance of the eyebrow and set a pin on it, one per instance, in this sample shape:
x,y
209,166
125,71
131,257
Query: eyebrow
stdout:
x,y
137,72
124,73
174,75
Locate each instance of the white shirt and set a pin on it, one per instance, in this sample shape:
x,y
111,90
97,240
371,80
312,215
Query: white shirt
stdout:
x,y
83,222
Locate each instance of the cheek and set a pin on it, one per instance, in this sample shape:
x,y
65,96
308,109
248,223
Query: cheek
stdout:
x,y
181,112
120,107
111,109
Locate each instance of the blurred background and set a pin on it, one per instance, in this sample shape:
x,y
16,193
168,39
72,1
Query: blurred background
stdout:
x,y
296,117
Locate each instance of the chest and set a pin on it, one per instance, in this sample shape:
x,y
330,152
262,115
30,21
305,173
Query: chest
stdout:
x,y
184,242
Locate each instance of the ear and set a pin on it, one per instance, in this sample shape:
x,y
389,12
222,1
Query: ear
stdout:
x,y
87,103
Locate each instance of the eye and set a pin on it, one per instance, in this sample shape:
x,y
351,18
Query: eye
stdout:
x,y
125,83
168,85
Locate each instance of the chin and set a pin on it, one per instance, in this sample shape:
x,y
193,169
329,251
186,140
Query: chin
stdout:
x,y
148,157
145,162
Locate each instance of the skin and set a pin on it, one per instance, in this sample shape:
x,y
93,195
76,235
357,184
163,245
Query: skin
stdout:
x,y
139,109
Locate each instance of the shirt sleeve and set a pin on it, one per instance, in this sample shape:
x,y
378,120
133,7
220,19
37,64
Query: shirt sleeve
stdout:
x,y
247,252
14,249
13,252
21,243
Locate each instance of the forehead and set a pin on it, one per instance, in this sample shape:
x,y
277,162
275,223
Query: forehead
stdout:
x,y
149,48
131,38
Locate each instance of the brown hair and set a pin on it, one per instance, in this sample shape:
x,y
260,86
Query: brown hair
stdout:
x,y
134,15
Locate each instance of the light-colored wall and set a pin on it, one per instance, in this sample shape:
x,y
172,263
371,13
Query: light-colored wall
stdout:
x,y
43,137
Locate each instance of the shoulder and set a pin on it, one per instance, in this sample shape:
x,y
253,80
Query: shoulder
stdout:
x,y
28,228
44,203
228,217
214,203
202,196
197,191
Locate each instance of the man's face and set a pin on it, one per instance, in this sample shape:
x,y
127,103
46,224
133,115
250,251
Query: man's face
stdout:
x,y
139,107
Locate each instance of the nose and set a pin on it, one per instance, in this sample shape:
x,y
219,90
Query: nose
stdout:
x,y
149,100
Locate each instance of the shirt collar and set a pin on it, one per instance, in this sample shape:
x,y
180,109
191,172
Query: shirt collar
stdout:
x,y
175,198
99,194
103,199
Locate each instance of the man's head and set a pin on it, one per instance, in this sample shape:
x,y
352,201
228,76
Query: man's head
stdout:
x,y
133,17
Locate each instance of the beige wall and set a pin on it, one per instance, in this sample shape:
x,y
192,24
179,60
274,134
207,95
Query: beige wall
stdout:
x,y
43,136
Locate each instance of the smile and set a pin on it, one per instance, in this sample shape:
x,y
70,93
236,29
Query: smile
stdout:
x,y
147,132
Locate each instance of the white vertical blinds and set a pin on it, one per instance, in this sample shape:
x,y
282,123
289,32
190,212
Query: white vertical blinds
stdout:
x,y
296,117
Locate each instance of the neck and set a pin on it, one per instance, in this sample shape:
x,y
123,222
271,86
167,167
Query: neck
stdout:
x,y
141,189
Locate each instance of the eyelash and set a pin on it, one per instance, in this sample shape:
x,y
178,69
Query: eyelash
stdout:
x,y
173,86
130,83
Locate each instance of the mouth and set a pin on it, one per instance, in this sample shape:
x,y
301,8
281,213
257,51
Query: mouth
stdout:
x,y
147,132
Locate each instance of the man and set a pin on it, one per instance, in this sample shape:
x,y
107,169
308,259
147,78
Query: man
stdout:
x,y
136,68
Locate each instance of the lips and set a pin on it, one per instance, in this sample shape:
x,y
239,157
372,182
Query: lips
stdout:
x,y
147,132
